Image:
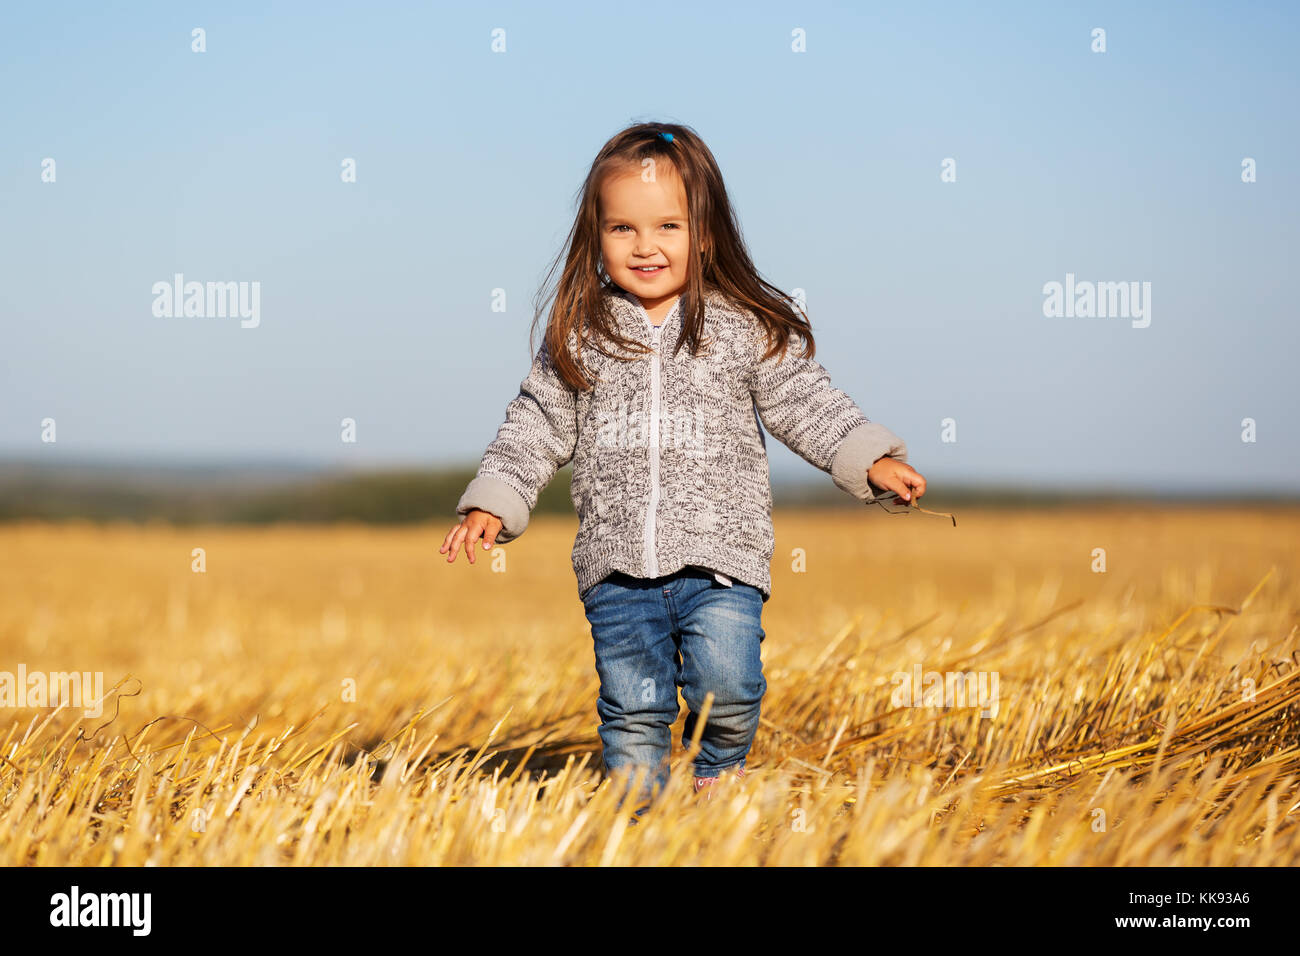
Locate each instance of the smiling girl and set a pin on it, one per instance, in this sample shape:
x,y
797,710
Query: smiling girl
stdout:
x,y
665,356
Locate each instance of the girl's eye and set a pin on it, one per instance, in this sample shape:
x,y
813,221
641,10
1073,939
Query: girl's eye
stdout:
x,y
672,225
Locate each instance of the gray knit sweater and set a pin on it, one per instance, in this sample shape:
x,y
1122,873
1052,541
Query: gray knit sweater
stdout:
x,y
669,462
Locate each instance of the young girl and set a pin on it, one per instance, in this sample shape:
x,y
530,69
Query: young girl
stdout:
x,y
663,353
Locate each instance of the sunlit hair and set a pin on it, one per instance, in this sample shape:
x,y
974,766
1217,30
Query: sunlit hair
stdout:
x,y
718,258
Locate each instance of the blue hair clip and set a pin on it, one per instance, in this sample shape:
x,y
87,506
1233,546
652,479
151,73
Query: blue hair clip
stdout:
x,y
666,136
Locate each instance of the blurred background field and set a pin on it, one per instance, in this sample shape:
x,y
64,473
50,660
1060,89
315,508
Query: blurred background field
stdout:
x,y
1125,731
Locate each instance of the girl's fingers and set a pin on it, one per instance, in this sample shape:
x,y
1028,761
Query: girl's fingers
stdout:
x,y
462,542
917,482
893,482
454,539
468,532
899,487
447,540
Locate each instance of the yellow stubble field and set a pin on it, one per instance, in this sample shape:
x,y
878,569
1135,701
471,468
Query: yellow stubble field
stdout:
x,y
327,695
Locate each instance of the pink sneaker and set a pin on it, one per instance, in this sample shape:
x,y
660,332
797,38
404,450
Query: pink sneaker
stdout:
x,y
706,783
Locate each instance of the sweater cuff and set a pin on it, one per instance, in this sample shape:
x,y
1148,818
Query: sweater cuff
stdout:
x,y
858,451
496,497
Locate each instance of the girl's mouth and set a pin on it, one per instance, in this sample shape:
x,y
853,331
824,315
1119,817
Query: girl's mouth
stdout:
x,y
649,271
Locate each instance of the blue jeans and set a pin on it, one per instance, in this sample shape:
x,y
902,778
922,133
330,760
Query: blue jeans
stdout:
x,y
652,635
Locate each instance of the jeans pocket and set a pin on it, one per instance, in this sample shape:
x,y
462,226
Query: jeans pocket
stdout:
x,y
589,596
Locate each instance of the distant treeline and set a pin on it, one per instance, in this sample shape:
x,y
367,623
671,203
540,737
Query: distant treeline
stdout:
x,y
259,495
186,496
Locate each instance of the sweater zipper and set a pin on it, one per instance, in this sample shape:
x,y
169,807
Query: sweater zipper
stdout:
x,y
651,558
650,555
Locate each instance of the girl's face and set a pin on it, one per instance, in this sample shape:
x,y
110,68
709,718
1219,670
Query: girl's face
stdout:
x,y
644,233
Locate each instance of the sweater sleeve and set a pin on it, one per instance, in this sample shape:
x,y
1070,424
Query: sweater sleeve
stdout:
x,y
797,403
537,438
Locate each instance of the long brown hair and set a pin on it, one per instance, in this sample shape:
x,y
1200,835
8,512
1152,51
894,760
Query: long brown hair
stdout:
x,y
719,260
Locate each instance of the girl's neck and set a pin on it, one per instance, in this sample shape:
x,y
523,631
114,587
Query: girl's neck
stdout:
x,y
660,311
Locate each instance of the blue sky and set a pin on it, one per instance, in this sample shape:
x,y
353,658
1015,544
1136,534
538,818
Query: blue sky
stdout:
x,y
925,297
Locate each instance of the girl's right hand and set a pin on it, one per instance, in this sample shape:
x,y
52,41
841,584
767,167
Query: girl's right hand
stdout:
x,y
477,524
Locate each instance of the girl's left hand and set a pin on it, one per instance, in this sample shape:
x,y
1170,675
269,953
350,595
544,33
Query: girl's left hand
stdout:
x,y
897,476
